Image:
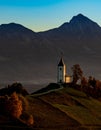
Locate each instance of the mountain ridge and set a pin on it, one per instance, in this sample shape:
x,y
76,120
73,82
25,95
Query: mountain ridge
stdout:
x,y
31,57
75,25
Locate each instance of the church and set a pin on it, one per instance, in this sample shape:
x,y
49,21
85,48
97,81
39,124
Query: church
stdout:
x,y
62,77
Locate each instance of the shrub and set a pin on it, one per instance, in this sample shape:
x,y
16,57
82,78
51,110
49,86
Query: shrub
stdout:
x,y
27,118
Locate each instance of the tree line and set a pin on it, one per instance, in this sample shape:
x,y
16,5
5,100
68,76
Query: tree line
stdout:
x,y
91,86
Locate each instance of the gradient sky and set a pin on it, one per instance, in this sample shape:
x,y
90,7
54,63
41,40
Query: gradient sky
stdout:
x,y
40,15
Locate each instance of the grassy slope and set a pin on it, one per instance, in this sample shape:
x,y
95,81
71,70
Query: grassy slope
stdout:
x,y
65,107
48,116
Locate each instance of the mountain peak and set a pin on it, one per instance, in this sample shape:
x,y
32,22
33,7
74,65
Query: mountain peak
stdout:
x,y
80,17
80,24
10,25
14,27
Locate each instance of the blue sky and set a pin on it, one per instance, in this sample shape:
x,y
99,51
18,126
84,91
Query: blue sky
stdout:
x,y
40,15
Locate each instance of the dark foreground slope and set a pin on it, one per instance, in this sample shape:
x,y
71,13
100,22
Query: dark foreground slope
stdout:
x,y
65,108
7,123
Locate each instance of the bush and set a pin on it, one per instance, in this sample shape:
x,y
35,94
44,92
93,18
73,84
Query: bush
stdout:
x,y
15,87
27,118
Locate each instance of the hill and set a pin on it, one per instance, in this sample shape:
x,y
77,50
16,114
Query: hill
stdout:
x,y
50,87
65,108
31,58
54,107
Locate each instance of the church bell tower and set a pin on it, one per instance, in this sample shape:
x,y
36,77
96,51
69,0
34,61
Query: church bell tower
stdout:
x,y
61,74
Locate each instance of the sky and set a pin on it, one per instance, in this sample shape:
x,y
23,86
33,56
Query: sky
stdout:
x,y
41,15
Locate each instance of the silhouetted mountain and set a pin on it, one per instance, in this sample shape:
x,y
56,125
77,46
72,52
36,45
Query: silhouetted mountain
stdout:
x,y
80,41
78,25
30,57
22,51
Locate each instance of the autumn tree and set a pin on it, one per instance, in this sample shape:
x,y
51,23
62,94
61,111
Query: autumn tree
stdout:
x,y
13,106
25,104
84,83
77,73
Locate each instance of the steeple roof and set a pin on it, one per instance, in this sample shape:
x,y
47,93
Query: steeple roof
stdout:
x,y
61,63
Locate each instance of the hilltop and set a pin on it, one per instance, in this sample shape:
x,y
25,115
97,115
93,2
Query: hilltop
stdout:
x,y
65,108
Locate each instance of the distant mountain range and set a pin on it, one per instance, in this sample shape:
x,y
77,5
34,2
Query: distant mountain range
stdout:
x,y
31,57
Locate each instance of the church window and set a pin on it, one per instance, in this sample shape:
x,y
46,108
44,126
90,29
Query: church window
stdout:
x,y
60,81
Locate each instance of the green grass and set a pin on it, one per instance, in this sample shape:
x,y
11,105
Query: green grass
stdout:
x,y
81,114
73,92
43,93
87,111
75,104
93,105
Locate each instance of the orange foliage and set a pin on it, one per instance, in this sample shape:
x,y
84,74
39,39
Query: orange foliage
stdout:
x,y
14,106
30,120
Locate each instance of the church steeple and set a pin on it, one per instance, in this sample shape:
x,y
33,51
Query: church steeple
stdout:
x,y
61,72
61,63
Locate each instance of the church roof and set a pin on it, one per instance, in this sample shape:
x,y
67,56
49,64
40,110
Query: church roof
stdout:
x,y
61,63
